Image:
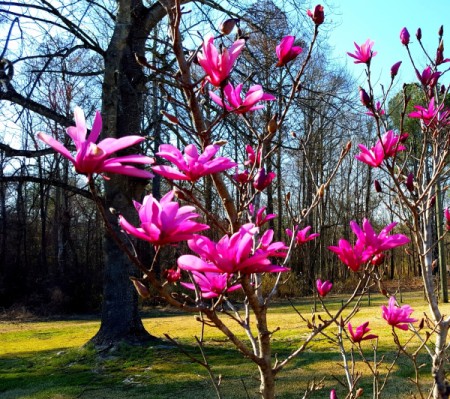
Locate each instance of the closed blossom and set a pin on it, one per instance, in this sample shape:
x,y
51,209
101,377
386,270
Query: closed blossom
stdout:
x,y
286,51
91,158
323,287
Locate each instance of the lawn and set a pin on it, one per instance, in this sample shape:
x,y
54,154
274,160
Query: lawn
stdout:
x,y
50,359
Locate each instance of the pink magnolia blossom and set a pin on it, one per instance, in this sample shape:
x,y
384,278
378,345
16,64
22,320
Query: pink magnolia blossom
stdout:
x,y
397,316
163,222
218,66
323,288
172,275
378,110
374,243
92,158
447,219
261,219
252,157
395,68
432,116
242,177
212,285
359,334
318,16
233,100
363,53
263,179
286,51
333,394
404,36
302,236
353,257
387,147
192,166
428,77
236,253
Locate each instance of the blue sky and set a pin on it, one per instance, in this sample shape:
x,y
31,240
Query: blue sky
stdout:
x,y
381,21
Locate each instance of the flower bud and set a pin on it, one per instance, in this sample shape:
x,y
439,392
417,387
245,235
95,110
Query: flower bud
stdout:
x,y
172,275
410,182
404,36
419,34
441,31
318,16
333,394
377,185
394,69
141,288
432,201
403,137
262,180
442,89
359,393
272,126
364,97
227,26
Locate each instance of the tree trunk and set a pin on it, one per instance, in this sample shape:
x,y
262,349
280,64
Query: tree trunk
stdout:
x,y
122,109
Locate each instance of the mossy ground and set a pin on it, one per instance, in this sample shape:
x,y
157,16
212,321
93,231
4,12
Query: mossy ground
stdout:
x,y
50,359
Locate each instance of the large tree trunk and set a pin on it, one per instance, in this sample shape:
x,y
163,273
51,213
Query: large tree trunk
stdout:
x,y
122,111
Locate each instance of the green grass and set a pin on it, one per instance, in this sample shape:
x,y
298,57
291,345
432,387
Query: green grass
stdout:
x,y
51,359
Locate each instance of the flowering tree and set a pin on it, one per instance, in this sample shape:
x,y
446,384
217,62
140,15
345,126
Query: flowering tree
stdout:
x,y
245,251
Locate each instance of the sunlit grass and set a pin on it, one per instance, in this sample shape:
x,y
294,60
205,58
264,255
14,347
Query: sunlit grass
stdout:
x,y
50,359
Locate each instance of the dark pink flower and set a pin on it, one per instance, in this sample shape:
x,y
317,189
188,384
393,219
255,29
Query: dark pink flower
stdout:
x,y
323,288
218,66
419,34
365,98
363,53
92,158
252,157
360,333
404,36
410,182
262,180
318,16
440,54
286,51
432,116
353,257
397,316
212,285
234,103
447,219
242,177
234,253
302,236
172,275
333,394
261,219
374,243
192,166
395,68
428,77
163,222
387,147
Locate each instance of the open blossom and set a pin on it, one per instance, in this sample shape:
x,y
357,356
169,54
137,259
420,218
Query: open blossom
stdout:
x,y
363,53
163,222
428,77
378,110
92,158
261,219
359,334
242,177
432,116
192,166
233,100
397,316
387,147
212,285
323,287
218,66
235,253
318,16
368,246
303,235
286,51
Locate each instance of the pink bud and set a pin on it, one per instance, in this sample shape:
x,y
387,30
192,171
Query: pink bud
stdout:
x,y
377,185
262,180
410,182
403,137
364,97
441,31
318,16
394,69
333,394
419,34
172,275
404,36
